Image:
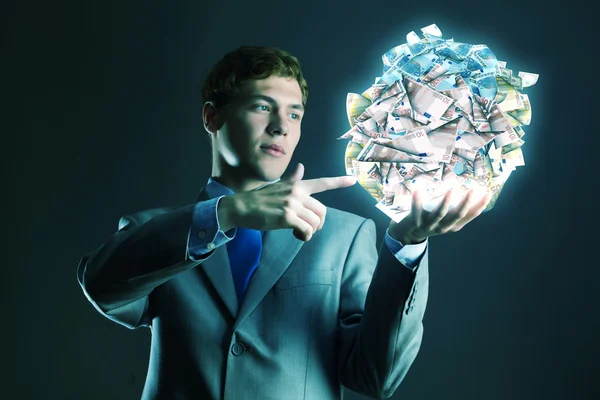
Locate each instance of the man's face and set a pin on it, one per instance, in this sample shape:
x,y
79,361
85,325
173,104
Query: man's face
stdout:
x,y
266,112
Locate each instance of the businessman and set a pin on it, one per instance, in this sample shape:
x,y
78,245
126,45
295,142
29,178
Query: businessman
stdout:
x,y
256,290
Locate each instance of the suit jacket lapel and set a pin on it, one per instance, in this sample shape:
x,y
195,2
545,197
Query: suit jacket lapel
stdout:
x,y
279,249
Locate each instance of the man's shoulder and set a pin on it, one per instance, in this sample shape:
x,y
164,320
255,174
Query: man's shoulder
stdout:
x,y
340,216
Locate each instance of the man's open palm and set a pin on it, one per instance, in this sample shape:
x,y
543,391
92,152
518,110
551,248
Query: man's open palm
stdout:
x,y
420,224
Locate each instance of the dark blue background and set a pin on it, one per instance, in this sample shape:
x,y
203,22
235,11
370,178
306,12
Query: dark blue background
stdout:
x,y
103,118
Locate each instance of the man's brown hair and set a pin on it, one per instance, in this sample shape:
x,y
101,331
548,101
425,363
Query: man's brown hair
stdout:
x,y
249,62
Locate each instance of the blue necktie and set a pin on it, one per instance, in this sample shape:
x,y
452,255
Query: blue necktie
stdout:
x,y
244,254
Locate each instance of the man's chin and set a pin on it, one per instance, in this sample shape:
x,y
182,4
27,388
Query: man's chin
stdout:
x,y
266,174
269,177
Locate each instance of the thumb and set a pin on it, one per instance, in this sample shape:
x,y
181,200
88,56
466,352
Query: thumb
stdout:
x,y
297,173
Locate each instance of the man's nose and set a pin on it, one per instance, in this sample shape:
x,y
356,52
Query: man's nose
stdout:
x,y
278,126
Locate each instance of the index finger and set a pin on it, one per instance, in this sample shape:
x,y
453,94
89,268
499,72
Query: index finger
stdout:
x,y
323,184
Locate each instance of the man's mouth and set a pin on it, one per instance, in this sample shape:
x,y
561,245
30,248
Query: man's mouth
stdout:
x,y
273,151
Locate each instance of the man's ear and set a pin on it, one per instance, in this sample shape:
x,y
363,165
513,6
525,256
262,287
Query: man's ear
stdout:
x,y
212,117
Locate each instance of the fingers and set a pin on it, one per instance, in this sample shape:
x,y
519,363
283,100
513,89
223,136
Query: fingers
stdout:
x,y
476,211
307,215
319,185
297,173
441,209
318,209
302,229
459,212
416,208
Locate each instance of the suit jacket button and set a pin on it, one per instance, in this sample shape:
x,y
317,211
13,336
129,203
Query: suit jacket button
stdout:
x,y
201,234
238,349
210,246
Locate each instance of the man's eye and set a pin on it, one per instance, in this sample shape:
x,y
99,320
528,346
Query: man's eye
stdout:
x,y
266,108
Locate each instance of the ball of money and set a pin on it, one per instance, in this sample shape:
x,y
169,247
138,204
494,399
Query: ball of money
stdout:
x,y
444,115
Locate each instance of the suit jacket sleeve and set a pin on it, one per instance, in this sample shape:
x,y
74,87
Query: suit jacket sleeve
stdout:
x,y
382,305
145,252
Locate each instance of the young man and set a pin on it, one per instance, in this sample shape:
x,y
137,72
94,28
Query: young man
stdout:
x,y
250,291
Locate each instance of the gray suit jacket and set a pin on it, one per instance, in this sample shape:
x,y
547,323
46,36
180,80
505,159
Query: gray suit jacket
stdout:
x,y
317,315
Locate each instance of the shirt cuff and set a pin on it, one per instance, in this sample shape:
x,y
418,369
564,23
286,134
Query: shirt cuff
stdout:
x,y
409,255
205,233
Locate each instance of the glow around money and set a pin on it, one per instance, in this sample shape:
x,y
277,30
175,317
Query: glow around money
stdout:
x,y
444,115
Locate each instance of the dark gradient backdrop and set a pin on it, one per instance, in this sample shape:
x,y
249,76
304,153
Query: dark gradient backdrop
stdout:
x,y
103,118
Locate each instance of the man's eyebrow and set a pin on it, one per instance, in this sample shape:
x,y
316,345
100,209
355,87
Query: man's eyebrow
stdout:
x,y
272,100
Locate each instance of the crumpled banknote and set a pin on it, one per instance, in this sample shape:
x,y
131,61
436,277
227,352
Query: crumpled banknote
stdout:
x,y
444,115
